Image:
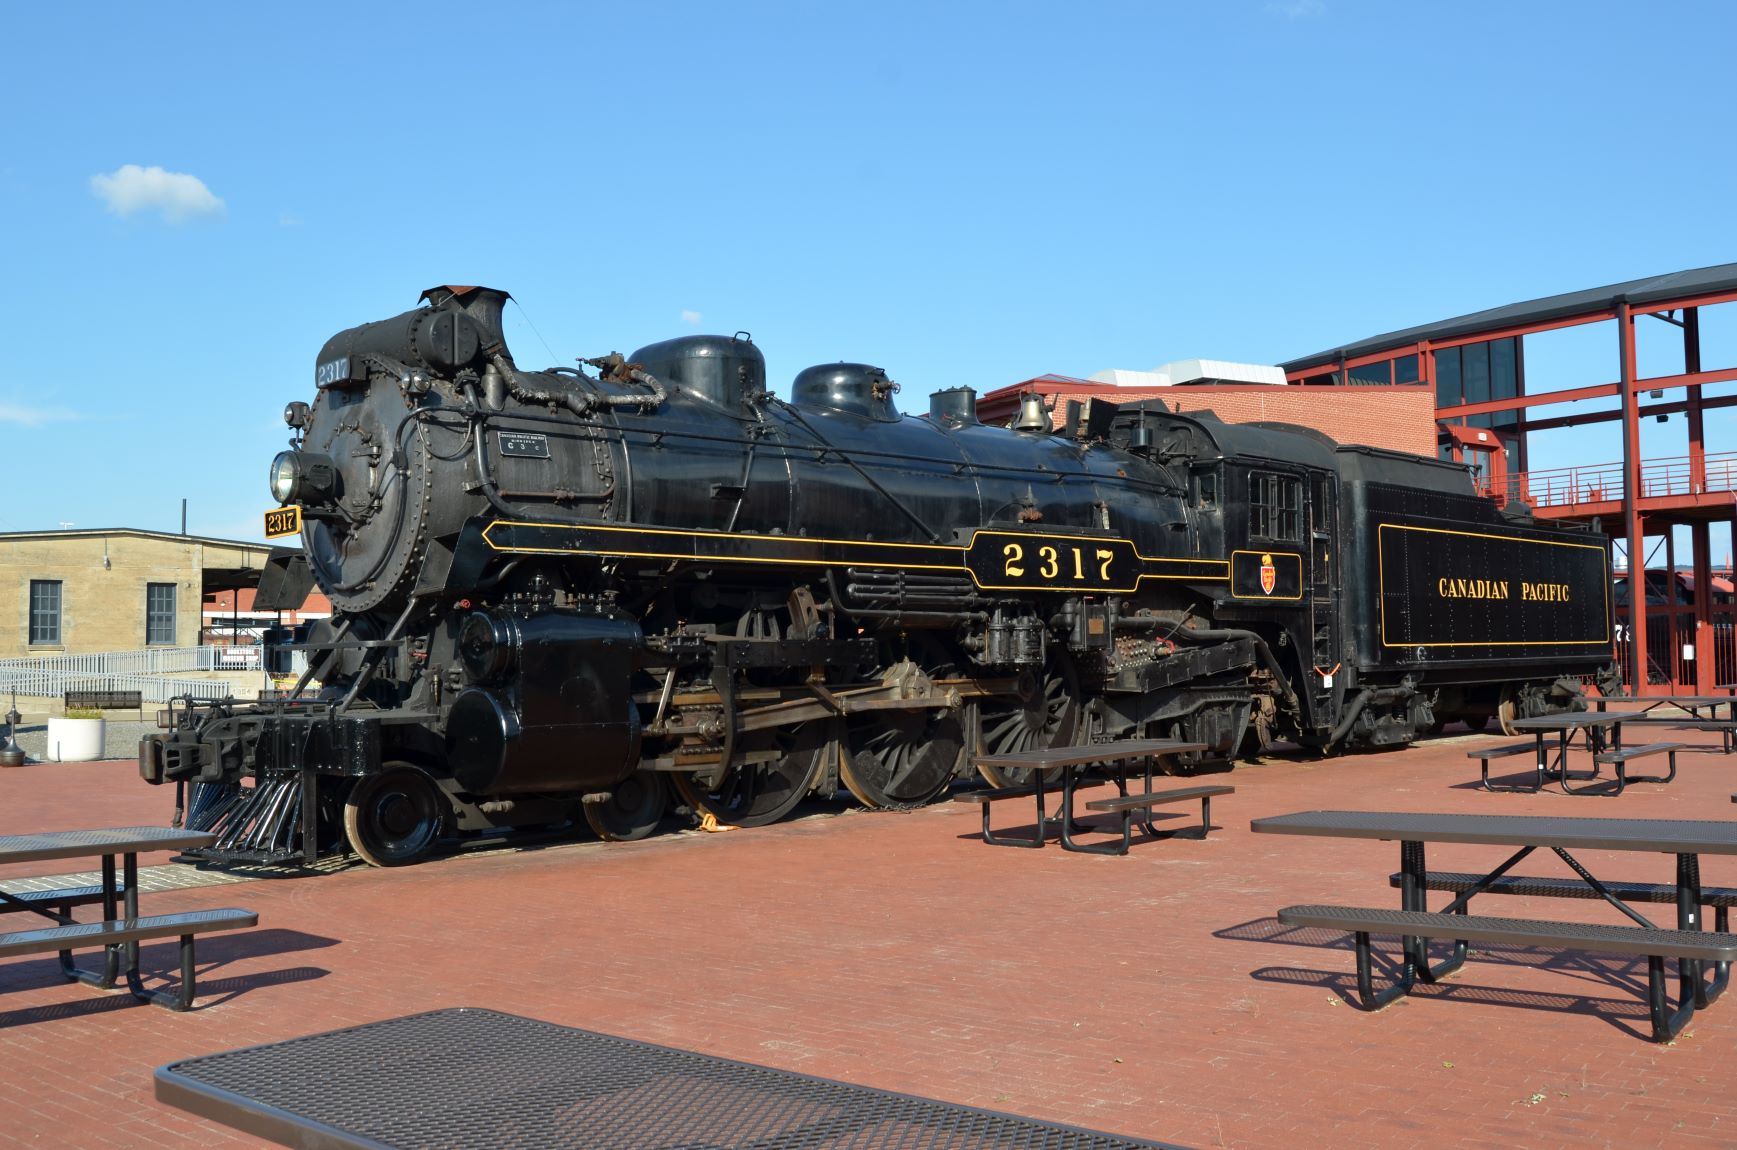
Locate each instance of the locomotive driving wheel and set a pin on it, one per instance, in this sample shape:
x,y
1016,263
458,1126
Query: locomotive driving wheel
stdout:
x,y
395,817
771,773
632,810
899,759
1045,713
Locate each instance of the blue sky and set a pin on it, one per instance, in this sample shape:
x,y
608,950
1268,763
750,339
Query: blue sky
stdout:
x,y
962,193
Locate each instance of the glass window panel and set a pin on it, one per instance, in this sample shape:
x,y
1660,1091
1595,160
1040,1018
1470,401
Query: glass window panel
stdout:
x,y
45,610
1405,369
1504,379
160,613
1447,378
1373,373
1475,373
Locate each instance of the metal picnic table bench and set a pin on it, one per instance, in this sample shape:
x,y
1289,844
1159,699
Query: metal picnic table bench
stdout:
x,y
1037,764
1692,948
470,1079
102,699
121,928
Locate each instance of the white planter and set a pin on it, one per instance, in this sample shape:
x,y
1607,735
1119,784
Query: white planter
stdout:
x,y
74,740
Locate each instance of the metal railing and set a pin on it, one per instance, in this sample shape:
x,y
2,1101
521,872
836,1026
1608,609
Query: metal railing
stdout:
x,y
1602,482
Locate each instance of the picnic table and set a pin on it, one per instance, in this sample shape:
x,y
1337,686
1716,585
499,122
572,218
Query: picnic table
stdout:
x,y
1725,728
121,928
1603,730
1068,761
1693,704
1687,840
464,1077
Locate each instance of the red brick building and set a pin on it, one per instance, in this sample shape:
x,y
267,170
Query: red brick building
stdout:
x,y
1399,418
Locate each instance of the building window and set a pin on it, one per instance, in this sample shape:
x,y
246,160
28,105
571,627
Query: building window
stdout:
x,y
45,610
1380,372
1275,507
1480,373
160,613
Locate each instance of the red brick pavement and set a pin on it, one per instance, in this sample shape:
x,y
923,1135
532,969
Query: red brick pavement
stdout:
x,y
1150,995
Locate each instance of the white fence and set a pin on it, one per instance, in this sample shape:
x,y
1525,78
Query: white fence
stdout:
x,y
149,661
52,684
147,671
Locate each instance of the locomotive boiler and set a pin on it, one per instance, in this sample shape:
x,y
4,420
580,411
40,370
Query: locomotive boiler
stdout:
x,y
571,591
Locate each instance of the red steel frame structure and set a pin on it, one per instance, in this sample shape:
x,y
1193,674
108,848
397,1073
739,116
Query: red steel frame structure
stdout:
x,y
1696,496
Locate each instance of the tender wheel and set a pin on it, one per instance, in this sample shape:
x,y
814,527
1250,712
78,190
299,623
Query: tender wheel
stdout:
x,y
900,759
1046,713
1475,723
394,818
773,772
633,809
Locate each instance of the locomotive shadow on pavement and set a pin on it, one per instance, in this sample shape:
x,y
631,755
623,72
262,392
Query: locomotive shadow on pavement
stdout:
x,y
1628,1015
154,960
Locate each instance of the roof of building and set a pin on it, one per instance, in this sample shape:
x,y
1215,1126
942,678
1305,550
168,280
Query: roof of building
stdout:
x,y
1587,302
93,532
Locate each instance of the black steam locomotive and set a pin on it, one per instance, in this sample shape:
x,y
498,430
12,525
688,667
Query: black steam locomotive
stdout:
x,y
566,591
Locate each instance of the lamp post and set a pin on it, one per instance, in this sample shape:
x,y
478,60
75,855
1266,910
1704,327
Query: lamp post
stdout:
x,y
12,755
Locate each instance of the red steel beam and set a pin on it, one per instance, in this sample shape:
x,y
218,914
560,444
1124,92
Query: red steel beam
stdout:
x,y
1607,416
1612,312
1594,391
1631,464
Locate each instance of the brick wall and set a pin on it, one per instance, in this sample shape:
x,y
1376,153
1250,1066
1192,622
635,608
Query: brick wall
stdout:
x,y
1399,418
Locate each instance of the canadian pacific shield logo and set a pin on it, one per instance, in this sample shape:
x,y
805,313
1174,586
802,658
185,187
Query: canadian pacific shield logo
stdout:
x,y
1269,574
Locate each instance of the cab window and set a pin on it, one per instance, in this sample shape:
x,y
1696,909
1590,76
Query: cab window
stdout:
x,y
1275,507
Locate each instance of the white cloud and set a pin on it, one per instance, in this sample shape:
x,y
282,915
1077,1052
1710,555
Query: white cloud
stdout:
x,y
179,196
33,416
690,317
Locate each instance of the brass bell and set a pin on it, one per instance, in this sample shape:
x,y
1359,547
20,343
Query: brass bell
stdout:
x,y
1033,415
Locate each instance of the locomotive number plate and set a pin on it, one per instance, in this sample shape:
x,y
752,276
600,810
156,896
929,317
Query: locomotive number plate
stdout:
x,y
524,444
281,521
1007,560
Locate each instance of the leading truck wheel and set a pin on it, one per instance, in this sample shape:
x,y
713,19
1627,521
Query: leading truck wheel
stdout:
x,y
394,818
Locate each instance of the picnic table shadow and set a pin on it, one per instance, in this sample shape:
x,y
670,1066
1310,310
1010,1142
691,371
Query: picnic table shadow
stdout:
x,y
156,959
1626,1014
1103,823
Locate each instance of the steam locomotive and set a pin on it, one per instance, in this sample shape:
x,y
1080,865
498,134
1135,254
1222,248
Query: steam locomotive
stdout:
x,y
568,591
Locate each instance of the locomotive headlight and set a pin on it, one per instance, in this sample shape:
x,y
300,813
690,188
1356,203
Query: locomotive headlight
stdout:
x,y
303,477
283,476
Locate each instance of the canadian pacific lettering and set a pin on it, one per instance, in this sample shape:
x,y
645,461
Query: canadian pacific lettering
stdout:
x,y
1472,588
1501,589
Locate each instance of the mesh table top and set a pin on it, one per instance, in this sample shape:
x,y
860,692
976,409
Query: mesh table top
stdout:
x,y
1667,836
463,1077
112,841
1045,758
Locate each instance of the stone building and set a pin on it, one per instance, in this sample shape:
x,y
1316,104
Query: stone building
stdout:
x,y
113,589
